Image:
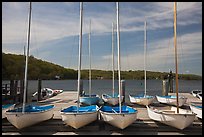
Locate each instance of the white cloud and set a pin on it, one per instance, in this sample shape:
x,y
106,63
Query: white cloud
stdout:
x,y
161,53
56,21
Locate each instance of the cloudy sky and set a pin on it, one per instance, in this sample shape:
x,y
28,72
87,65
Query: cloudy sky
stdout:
x,y
55,34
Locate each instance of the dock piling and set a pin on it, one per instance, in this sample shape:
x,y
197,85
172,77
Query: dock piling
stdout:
x,y
123,90
39,89
165,86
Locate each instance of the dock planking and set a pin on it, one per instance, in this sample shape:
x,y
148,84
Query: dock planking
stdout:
x,y
142,126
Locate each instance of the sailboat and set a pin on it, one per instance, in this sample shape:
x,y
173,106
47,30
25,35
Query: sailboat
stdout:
x,y
196,108
78,116
199,95
143,99
118,116
195,92
172,100
114,98
28,115
173,116
89,99
6,108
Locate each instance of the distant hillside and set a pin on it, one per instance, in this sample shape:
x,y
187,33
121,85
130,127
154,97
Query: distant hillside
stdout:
x,y
13,68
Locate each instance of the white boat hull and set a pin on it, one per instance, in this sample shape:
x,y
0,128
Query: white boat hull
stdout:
x,y
199,95
77,120
141,101
169,117
20,120
118,120
4,111
197,111
112,101
195,92
172,101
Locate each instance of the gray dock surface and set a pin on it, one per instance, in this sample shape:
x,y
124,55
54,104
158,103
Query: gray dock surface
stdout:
x,y
142,126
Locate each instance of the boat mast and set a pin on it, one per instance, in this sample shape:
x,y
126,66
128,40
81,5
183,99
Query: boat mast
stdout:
x,y
26,65
145,44
175,47
90,60
80,47
118,39
113,57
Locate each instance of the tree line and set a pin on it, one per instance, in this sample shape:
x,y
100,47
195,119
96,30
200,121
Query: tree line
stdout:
x,y
13,68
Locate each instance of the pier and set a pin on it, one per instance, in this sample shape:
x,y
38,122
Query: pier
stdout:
x,y
142,126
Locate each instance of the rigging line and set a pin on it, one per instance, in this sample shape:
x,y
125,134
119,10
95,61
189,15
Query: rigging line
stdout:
x,y
72,52
34,37
158,14
127,57
181,57
167,57
109,66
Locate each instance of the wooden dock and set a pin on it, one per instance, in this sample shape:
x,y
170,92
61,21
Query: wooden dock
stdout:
x,y
142,126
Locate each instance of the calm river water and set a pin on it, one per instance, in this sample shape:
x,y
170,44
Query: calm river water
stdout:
x,y
133,87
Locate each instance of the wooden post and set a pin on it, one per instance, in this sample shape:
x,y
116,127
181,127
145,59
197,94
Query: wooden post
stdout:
x,y
123,90
11,91
165,87
15,91
6,90
170,78
21,90
81,88
39,89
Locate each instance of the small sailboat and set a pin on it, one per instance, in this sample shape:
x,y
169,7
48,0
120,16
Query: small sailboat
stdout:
x,y
110,99
6,108
195,92
114,98
199,95
31,115
197,109
145,99
89,99
118,116
172,100
78,116
25,116
45,94
173,116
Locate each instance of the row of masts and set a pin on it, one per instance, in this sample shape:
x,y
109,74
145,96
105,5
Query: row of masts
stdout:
x,y
119,62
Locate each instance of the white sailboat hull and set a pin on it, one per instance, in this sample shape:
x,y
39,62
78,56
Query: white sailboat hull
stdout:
x,y
195,92
141,101
111,100
169,117
172,101
118,120
199,95
4,110
20,120
197,111
77,120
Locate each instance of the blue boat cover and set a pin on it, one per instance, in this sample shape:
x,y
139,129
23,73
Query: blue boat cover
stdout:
x,y
111,96
168,96
124,109
92,108
33,108
142,96
87,95
6,106
197,106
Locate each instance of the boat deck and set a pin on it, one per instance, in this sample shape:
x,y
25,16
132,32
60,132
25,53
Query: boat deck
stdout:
x,y
142,126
